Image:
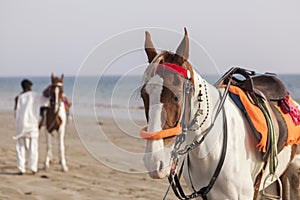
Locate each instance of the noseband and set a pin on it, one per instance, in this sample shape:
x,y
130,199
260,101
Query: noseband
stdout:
x,y
160,134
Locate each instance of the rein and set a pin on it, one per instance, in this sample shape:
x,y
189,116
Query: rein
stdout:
x,y
174,178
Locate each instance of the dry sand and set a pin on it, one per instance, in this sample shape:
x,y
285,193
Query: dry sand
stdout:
x,y
87,178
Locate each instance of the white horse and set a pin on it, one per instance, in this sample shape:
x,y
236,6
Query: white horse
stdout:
x,y
164,100
56,118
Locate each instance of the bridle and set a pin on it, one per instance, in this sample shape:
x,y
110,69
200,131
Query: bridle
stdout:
x,y
174,177
191,125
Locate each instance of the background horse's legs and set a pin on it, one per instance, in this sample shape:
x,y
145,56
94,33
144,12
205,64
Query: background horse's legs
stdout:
x,y
62,148
292,174
49,154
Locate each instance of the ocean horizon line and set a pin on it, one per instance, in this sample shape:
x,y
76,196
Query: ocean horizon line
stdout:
x,y
120,75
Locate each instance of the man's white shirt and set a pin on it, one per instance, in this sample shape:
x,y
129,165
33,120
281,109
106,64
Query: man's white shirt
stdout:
x,y
28,113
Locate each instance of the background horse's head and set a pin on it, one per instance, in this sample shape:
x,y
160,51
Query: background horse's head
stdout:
x,y
163,97
56,91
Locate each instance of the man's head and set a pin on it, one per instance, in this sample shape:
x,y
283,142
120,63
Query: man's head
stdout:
x,y
26,85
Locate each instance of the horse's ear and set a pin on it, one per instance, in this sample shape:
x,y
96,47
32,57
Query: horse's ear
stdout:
x,y
149,48
62,77
52,77
183,48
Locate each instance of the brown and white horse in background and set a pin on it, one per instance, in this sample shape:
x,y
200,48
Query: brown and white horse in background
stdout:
x,y
56,118
163,97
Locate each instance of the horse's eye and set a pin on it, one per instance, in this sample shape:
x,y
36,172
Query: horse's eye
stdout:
x,y
176,98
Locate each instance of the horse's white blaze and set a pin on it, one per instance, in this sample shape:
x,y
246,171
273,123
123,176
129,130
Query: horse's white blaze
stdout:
x,y
154,90
156,157
56,91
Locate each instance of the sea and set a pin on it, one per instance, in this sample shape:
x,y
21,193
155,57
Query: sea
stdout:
x,y
107,96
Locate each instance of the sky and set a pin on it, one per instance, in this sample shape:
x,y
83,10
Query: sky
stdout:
x,y
39,37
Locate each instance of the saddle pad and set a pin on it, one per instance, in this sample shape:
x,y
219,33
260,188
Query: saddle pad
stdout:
x,y
257,120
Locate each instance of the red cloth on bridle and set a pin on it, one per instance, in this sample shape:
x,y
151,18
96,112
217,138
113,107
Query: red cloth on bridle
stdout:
x,y
175,68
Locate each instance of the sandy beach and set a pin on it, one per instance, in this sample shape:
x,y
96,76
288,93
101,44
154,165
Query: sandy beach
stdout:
x,y
87,177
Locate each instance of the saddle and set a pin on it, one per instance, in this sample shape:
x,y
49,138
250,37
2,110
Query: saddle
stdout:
x,y
266,88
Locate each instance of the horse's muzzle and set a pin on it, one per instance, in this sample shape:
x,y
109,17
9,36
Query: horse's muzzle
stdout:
x,y
160,173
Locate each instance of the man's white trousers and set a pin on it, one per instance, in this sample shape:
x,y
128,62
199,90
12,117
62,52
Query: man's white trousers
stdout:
x,y
30,144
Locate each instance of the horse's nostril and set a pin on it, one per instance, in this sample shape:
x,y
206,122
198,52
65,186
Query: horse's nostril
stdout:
x,y
161,165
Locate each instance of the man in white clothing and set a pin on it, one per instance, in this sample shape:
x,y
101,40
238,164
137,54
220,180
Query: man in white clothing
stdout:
x,y
27,110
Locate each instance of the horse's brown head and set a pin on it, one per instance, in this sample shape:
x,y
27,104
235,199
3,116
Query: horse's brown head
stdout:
x,y
163,97
172,87
56,91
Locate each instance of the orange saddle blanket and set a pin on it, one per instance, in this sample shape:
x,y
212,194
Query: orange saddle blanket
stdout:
x,y
257,119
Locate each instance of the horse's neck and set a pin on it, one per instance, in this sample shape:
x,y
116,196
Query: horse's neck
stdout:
x,y
202,115
239,154
206,98
61,111
204,158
